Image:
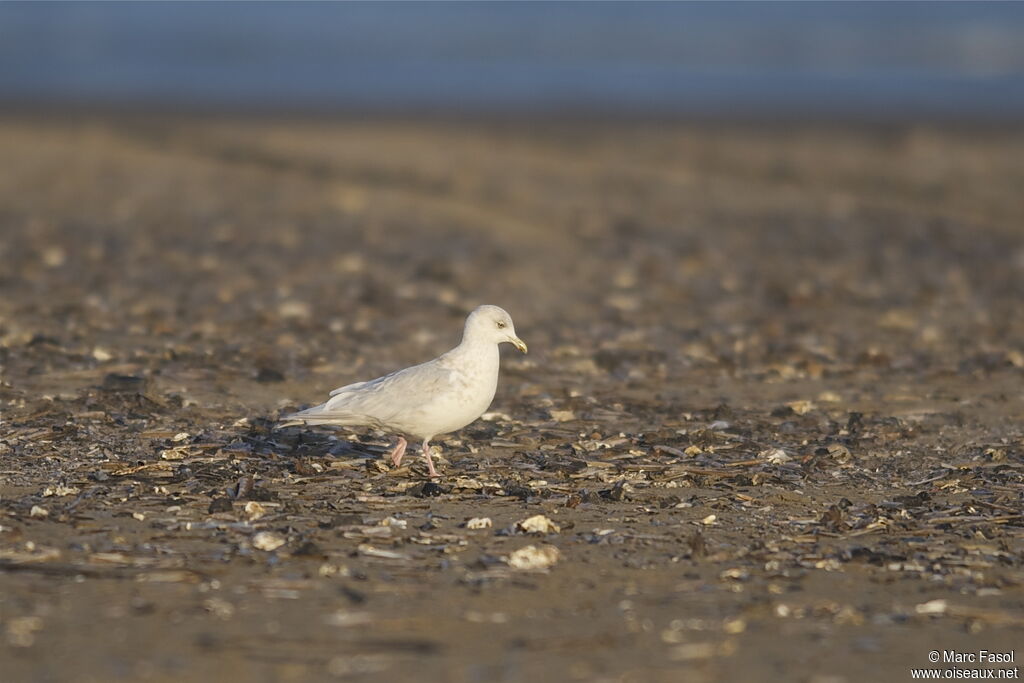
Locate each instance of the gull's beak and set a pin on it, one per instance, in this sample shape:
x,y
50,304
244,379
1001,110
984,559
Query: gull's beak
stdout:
x,y
518,343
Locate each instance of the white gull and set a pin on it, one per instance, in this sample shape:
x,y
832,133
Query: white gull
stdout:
x,y
423,401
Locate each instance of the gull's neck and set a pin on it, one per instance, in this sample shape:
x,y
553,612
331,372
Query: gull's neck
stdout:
x,y
475,344
473,339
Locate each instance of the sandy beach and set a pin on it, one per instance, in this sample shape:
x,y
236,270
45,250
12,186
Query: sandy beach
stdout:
x,y
772,409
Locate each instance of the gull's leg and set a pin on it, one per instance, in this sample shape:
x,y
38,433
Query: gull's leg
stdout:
x,y
397,452
430,463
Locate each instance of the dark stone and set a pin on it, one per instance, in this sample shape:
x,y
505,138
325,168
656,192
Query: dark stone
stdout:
x,y
124,384
485,561
268,375
42,339
614,360
916,500
243,488
182,473
309,549
304,468
518,491
698,548
427,489
616,493
261,494
222,504
207,641
354,596
347,519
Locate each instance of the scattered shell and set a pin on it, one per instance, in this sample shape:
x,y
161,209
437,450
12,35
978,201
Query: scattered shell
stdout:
x,y
54,257
801,407
267,540
534,557
220,608
21,630
60,490
486,618
294,309
709,520
735,626
357,666
932,607
168,576
243,487
691,651
735,574
328,569
254,510
344,618
562,415
369,551
479,523
775,456
838,451
39,512
538,524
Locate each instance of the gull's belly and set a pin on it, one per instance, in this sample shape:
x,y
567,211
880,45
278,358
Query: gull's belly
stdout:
x,y
447,411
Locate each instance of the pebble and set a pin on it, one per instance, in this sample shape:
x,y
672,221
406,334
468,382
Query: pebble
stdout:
x,y
267,540
534,557
538,524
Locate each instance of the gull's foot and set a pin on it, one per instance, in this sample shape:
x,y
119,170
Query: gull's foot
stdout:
x,y
430,463
397,452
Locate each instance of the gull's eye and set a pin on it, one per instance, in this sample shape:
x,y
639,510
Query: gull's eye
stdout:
x,y
501,325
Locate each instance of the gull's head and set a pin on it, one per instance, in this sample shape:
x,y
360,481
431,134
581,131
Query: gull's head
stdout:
x,y
492,324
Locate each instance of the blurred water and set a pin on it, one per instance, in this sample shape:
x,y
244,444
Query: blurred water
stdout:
x,y
887,60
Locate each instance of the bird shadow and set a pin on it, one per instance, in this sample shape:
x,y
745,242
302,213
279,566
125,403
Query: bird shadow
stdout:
x,y
308,442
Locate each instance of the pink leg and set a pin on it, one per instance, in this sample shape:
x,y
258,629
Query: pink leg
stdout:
x,y
397,452
430,463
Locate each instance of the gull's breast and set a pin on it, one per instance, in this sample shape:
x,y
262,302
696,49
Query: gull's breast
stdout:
x,y
454,404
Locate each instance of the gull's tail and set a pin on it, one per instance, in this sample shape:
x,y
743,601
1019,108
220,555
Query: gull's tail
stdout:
x,y
303,417
323,415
